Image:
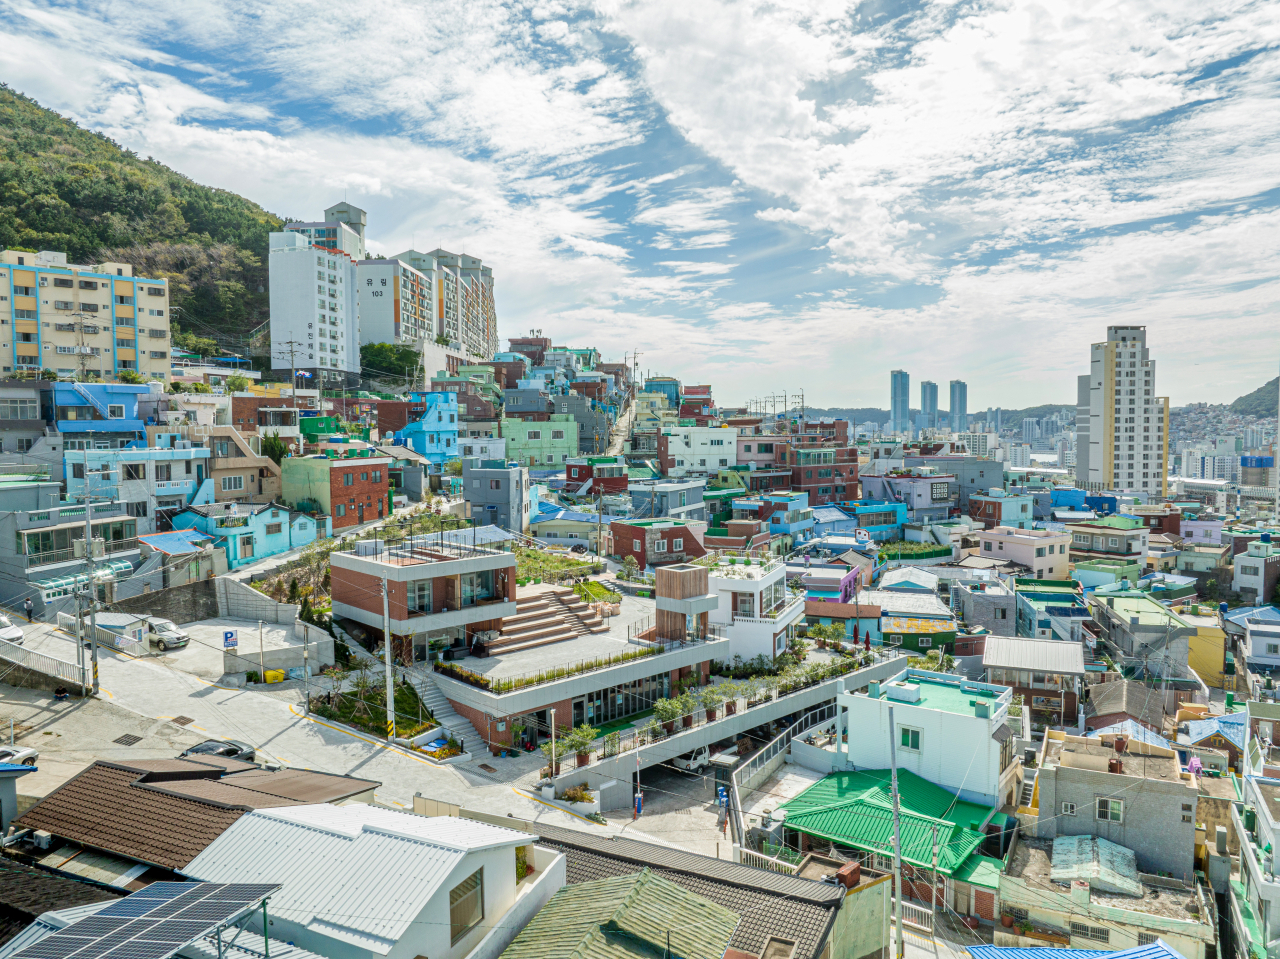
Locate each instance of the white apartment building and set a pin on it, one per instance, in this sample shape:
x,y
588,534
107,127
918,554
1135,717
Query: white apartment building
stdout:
x,y
81,320
1019,456
1122,426
697,450
315,312
396,303
1042,551
756,611
977,444
341,230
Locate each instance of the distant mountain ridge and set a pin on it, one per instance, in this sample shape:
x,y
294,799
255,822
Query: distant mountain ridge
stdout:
x,y
1008,418
1261,402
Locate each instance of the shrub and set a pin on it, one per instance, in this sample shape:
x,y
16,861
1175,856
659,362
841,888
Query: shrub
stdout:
x,y
577,794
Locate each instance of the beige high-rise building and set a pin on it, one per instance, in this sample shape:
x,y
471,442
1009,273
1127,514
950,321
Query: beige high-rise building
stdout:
x,y
1122,426
81,320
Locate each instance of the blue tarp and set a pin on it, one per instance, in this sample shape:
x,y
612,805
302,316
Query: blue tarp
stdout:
x,y
176,543
1230,727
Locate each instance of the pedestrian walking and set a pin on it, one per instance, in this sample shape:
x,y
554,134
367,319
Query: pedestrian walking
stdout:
x,y
28,606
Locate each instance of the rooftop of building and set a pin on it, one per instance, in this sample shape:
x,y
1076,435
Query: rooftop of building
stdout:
x,y
899,602
1113,522
420,550
1137,700
1032,862
1039,655
1076,752
948,694
1136,604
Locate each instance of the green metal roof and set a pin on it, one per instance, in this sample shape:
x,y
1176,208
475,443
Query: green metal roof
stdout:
x,y
627,917
856,809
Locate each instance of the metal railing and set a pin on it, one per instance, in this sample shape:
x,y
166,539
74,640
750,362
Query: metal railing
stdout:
x,y
918,917
40,663
760,861
121,545
50,557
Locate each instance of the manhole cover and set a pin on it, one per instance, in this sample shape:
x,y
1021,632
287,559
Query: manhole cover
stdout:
x,y
128,739
487,768
183,720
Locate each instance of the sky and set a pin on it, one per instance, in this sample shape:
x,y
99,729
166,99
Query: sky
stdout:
x,y
770,197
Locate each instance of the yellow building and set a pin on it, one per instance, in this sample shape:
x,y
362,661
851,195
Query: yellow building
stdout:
x,y
1207,648
81,320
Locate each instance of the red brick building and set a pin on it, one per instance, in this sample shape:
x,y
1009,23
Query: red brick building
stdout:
x,y
655,541
828,474
250,412
609,478
534,347
352,489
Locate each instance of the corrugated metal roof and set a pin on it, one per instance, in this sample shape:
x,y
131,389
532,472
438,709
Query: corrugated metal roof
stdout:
x,y
1105,865
1229,727
334,862
1156,950
1131,730
899,603
176,543
856,809
1041,655
626,916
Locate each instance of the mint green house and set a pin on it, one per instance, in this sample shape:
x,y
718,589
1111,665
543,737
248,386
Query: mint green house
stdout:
x,y
541,445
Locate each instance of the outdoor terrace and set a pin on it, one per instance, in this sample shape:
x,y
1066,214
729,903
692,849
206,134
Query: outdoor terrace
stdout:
x,y
417,551
1075,753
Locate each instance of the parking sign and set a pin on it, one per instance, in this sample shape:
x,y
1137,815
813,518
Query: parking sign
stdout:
x,y
229,640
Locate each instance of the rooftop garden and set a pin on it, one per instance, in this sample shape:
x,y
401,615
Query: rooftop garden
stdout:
x,y
901,549
510,684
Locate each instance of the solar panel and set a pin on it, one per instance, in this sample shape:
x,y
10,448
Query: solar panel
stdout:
x,y
153,923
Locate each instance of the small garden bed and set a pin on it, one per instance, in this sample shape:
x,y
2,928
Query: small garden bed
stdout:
x,y
593,592
364,706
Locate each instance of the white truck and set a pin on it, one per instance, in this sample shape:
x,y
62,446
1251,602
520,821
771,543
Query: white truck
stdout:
x,y
695,761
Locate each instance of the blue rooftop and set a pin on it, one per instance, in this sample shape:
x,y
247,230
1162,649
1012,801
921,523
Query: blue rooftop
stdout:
x,y
1155,950
1230,727
176,543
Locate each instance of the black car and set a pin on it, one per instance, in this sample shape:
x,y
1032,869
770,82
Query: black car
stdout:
x,y
230,748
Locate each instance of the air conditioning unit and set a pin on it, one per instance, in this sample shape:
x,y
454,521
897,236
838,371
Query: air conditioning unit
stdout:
x,y
42,839
99,549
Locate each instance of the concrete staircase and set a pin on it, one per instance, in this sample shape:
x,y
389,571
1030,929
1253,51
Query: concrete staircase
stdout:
x,y
553,615
434,700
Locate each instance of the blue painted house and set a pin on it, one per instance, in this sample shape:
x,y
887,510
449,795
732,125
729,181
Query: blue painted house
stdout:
x,y
147,481
435,434
99,415
250,532
883,520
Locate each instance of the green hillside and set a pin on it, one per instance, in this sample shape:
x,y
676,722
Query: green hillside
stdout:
x,y
1261,402
65,188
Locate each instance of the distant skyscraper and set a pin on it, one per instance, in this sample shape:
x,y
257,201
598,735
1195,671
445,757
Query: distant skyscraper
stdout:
x,y
959,406
1122,427
929,403
899,401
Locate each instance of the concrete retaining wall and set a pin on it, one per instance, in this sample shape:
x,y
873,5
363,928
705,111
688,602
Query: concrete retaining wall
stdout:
x,y
188,603
238,601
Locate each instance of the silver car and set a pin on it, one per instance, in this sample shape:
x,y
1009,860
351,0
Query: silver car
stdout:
x,y
9,632
165,634
18,755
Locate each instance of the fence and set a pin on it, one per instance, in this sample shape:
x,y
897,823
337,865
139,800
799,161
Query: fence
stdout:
x,y
123,642
752,858
40,663
918,917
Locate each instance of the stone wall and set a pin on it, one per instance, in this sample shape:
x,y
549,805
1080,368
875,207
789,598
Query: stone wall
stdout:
x,y
188,603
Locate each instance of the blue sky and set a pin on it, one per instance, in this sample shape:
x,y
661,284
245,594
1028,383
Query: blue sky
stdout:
x,y
799,194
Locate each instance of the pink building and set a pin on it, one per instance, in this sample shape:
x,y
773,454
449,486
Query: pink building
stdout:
x,y
1044,552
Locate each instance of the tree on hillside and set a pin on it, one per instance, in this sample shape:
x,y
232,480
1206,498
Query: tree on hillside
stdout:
x,y
387,359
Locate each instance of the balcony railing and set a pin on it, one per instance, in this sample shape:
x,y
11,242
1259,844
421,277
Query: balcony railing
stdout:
x,y
50,557
121,545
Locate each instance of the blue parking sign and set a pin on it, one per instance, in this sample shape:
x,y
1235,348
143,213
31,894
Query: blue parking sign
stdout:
x,y
229,640
722,796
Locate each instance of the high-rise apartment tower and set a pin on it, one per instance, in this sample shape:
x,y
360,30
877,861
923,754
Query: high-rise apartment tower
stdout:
x,y
1122,426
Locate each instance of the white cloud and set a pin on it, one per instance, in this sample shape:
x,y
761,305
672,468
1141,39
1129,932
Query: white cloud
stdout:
x,y
990,184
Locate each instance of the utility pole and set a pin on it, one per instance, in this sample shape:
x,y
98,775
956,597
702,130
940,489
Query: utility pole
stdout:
x,y
933,889
88,555
897,839
552,768
262,662
386,655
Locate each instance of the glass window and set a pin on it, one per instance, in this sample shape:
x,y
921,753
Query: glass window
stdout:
x,y
420,596
910,738
1110,810
466,905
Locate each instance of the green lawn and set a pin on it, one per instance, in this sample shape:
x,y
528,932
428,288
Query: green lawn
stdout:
x,y
594,592
625,723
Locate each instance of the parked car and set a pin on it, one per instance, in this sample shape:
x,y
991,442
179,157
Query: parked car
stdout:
x,y
694,761
18,755
165,634
9,632
231,748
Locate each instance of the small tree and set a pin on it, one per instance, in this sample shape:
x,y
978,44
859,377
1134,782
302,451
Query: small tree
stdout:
x,y
275,448
124,376
453,467
47,374
629,567
238,384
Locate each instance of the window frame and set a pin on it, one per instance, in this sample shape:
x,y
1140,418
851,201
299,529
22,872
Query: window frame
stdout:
x,y
1112,806
458,932
907,736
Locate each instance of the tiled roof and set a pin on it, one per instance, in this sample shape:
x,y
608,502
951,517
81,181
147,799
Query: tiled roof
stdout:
x,y
767,903
103,808
26,892
1231,728
1142,702
624,917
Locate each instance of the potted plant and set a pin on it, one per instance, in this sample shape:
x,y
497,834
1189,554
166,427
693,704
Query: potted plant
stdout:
x,y
1006,920
688,703
1024,928
580,740
667,712
711,698
731,691
553,768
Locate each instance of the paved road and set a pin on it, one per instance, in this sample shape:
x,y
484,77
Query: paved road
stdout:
x,y
275,725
